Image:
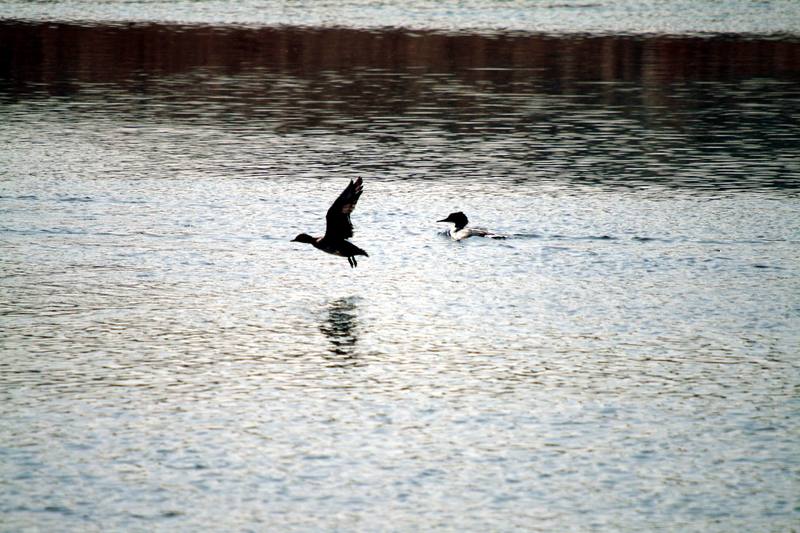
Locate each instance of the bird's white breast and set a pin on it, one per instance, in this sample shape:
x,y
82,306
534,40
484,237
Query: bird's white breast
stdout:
x,y
463,233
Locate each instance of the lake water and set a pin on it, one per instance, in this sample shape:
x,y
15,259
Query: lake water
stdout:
x,y
626,360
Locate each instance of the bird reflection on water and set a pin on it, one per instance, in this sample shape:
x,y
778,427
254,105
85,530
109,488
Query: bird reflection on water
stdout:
x,y
340,326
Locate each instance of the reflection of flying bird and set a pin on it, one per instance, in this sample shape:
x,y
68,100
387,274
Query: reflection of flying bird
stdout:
x,y
341,328
461,231
339,228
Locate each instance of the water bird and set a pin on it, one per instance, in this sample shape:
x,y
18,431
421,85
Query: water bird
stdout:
x,y
338,226
461,231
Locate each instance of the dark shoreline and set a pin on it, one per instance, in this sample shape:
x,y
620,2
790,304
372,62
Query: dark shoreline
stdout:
x,y
46,52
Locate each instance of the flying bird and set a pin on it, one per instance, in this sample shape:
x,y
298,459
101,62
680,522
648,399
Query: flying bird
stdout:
x,y
339,228
461,231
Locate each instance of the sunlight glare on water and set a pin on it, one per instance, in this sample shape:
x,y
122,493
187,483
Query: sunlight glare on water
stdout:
x,y
625,360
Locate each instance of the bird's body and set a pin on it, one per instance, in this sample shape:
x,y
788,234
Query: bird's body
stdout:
x,y
461,231
338,226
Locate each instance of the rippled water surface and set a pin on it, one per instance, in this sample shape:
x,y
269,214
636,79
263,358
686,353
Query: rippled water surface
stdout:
x,y
762,17
626,360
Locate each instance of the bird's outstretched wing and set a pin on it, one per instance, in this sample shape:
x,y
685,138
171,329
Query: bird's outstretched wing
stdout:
x,y
338,217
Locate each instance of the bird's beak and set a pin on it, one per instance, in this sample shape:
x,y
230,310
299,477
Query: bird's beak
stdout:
x,y
294,240
443,220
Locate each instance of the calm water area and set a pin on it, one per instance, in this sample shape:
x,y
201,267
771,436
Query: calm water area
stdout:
x,y
627,360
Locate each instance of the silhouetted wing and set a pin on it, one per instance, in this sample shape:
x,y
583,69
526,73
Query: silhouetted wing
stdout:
x,y
338,217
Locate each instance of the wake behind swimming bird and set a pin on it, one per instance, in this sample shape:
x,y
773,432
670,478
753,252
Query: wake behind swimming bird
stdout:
x,y
338,226
461,231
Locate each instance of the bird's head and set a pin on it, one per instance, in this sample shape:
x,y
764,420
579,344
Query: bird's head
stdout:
x,y
459,219
304,237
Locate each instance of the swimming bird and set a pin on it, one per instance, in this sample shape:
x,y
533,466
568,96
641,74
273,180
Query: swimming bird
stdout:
x,y
338,226
461,231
